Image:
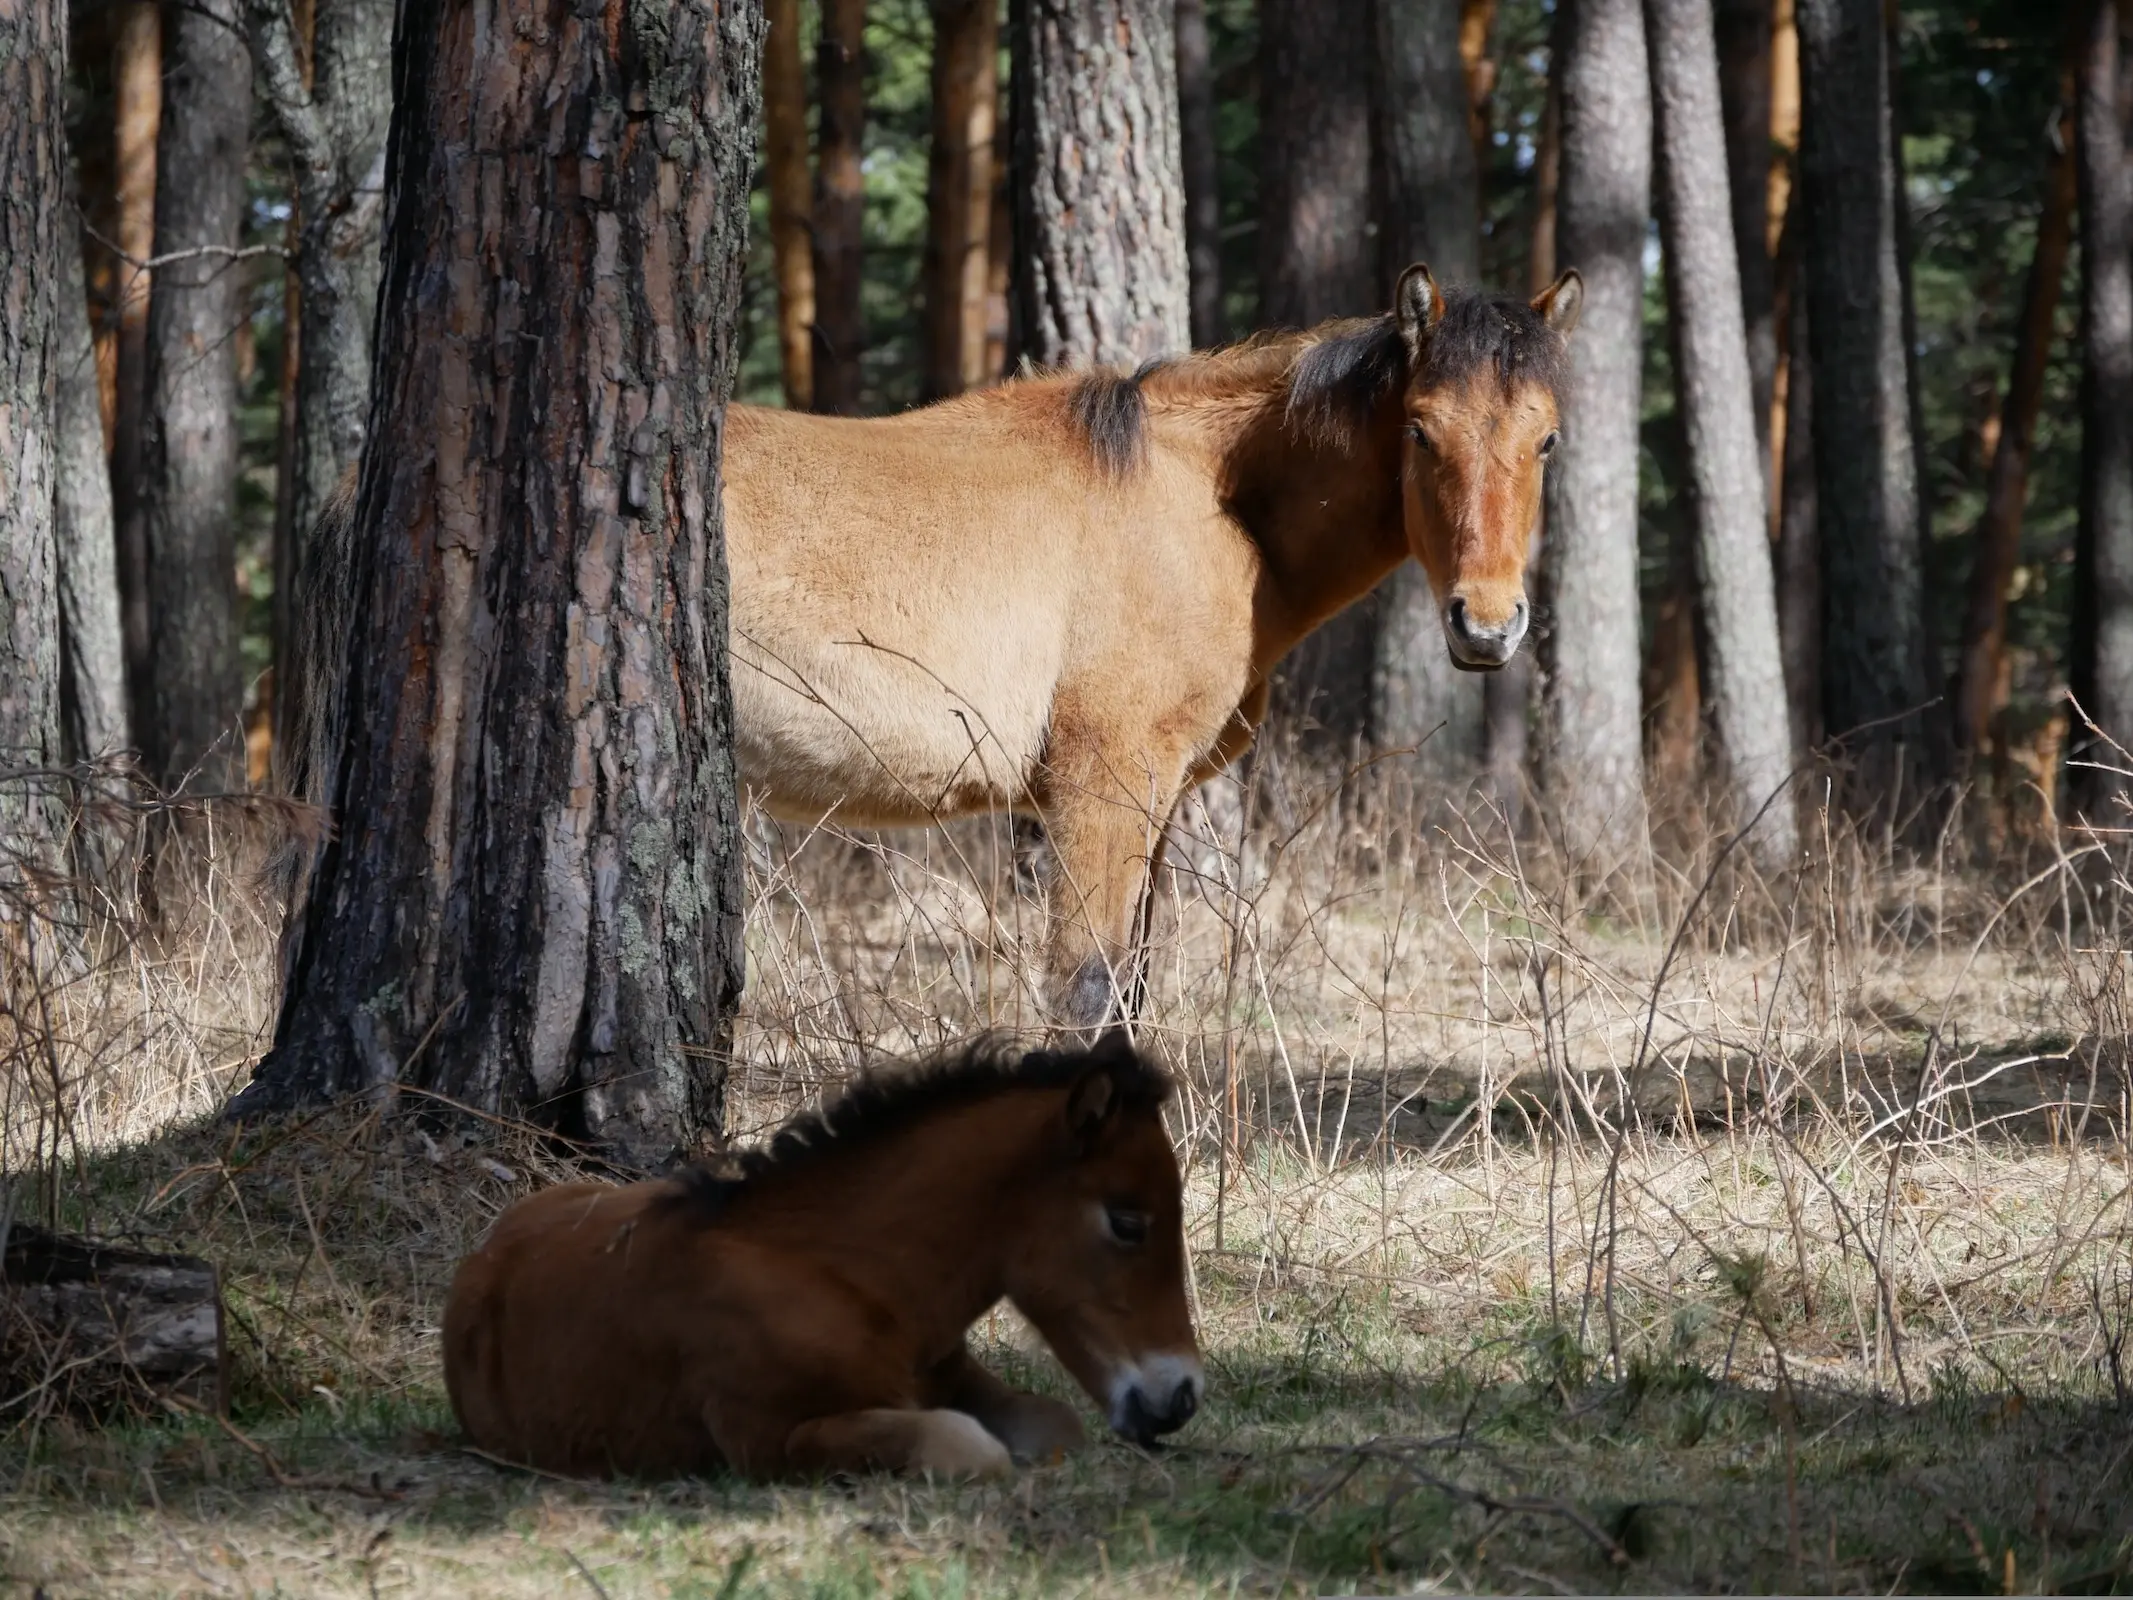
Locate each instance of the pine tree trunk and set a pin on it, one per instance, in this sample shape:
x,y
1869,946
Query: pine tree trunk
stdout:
x,y
1316,260
137,119
1429,210
92,662
1101,273
1870,507
2103,577
36,227
1477,24
1738,601
335,126
840,204
1589,610
1744,31
539,566
1799,538
1202,166
189,728
958,261
791,198
1982,682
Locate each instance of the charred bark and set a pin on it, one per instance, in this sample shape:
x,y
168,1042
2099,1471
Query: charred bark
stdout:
x,y
1742,665
1588,613
840,204
1201,165
2103,580
791,189
958,261
1429,210
532,901
1869,502
1100,263
1799,540
1744,32
189,728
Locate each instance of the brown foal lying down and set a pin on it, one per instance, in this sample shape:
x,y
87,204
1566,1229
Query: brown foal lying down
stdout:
x,y
807,1311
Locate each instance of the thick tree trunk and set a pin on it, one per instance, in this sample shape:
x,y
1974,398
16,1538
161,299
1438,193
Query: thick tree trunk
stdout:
x,y
1799,539
189,728
1870,506
1589,620
335,127
137,119
1745,31
36,229
92,662
1477,24
1317,260
539,564
958,263
1743,669
840,204
2103,577
791,198
1101,274
1981,685
1429,210
1202,165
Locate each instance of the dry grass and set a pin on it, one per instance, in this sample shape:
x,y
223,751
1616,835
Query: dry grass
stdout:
x,y
1705,1231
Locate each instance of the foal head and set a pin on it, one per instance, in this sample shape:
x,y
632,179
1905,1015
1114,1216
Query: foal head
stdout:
x,y
1100,1266
1481,414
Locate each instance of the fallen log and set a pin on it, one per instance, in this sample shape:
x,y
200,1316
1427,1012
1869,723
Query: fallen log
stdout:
x,y
89,1327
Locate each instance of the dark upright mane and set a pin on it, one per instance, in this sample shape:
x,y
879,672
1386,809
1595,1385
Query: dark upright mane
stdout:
x,y
885,1100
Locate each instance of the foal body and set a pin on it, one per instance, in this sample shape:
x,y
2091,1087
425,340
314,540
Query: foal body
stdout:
x,y
811,1316
1066,595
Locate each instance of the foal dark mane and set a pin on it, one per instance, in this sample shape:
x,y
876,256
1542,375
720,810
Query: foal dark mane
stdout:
x,y
1337,374
882,1101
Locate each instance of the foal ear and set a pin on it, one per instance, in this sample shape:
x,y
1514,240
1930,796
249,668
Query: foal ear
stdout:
x,y
1560,303
1419,306
1090,1103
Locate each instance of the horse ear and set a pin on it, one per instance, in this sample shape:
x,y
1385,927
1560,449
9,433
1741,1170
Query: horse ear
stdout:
x,y
1090,1103
1419,307
1560,303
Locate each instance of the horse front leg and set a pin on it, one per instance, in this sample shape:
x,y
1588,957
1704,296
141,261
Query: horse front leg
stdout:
x,y
1033,1427
944,1443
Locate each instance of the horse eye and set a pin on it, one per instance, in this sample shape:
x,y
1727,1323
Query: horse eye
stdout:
x,y
1548,444
1127,1227
1414,432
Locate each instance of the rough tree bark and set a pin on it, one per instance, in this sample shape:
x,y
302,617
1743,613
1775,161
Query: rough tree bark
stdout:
x,y
335,127
137,118
840,204
1799,542
189,724
92,661
1745,29
791,198
1869,503
1317,260
959,184
1429,210
1100,265
1743,672
2102,656
1202,166
1589,610
1981,683
533,898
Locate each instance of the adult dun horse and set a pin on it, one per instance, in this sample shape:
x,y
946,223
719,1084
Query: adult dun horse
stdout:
x,y
1066,594
808,1312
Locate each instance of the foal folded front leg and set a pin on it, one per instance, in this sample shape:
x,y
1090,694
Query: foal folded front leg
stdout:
x,y
1034,1427
947,1444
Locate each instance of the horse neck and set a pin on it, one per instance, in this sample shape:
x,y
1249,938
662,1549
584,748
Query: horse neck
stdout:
x,y
1325,514
923,1219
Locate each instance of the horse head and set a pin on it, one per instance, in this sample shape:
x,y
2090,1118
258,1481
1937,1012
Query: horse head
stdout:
x,y
1100,1270
1482,413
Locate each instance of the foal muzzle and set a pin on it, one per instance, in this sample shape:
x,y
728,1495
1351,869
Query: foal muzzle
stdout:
x,y
1155,1397
1482,646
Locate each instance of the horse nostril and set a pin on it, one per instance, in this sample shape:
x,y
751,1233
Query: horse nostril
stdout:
x,y
1457,613
1184,1401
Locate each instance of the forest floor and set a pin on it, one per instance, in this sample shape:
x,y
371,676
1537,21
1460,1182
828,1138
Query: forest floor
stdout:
x,y
1529,1256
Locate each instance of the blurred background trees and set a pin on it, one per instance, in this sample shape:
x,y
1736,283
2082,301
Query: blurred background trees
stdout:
x,y
947,187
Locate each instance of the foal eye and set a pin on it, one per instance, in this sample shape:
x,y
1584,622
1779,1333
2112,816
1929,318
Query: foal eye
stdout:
x,y
1548,444
1414,432
1127,1227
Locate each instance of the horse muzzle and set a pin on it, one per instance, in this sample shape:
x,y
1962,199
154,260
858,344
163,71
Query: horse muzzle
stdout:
x,y
1155,1397
1477,646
